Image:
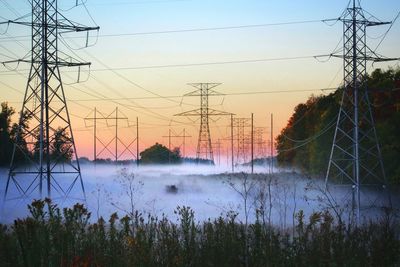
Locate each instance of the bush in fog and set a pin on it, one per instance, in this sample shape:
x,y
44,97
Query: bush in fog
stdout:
x,y
159,154
54,237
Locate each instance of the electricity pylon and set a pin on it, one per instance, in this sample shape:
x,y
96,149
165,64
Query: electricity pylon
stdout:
x,y
355,158
173,134
44,153
259,142
204,90
240,124
111,120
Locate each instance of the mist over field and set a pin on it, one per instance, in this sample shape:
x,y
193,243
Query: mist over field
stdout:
x,y
210,191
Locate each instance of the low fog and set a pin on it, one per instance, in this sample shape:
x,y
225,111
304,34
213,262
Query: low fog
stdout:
x,y
211,191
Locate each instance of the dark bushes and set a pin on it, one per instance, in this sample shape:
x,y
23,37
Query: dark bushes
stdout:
x,y
51,237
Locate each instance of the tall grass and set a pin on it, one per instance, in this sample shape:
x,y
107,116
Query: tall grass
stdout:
x,y
50,236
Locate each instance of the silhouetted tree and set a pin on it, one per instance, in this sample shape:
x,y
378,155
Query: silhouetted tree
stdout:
x,y
159,154
6,144
61,148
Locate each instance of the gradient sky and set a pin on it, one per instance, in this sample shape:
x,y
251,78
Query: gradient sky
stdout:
x,y
122,16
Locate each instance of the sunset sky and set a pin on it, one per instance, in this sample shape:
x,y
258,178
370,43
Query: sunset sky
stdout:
x,y
138,55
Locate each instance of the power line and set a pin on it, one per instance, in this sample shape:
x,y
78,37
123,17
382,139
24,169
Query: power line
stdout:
x,y
9,7
154,114
130,82
248,26
387,31
209,63
126,3
212,28
198,64
94,92
221,94
311,138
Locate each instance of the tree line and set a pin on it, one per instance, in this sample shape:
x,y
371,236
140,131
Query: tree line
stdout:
x,y
306,141
14,133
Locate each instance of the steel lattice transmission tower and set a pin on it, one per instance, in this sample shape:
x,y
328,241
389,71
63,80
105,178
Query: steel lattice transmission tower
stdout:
x,y
242,140
355,158
260,142
44,154
204,90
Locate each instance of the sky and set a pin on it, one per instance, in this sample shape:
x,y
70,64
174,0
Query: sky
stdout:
x,y
135,62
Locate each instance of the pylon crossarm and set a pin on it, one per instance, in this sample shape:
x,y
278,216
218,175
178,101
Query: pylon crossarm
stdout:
x,y
58,63
214,112
196,112
386,59
374,58
210,93
58,26
200,85
376,23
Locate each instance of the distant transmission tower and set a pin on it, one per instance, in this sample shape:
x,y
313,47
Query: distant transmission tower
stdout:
x,y
44,152
259,142
204,90
355,158
111,120
173,134
240,124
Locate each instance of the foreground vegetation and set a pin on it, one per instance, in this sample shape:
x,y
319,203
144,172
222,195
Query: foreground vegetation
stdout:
x,y
54,237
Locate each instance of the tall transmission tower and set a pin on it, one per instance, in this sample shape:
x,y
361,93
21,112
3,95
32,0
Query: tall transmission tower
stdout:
x,y
204,146
355,158
44,153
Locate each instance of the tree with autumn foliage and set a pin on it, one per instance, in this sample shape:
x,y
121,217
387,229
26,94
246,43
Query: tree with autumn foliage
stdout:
x,y
306,141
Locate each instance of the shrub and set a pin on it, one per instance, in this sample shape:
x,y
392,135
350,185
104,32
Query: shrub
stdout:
x,y
51,237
